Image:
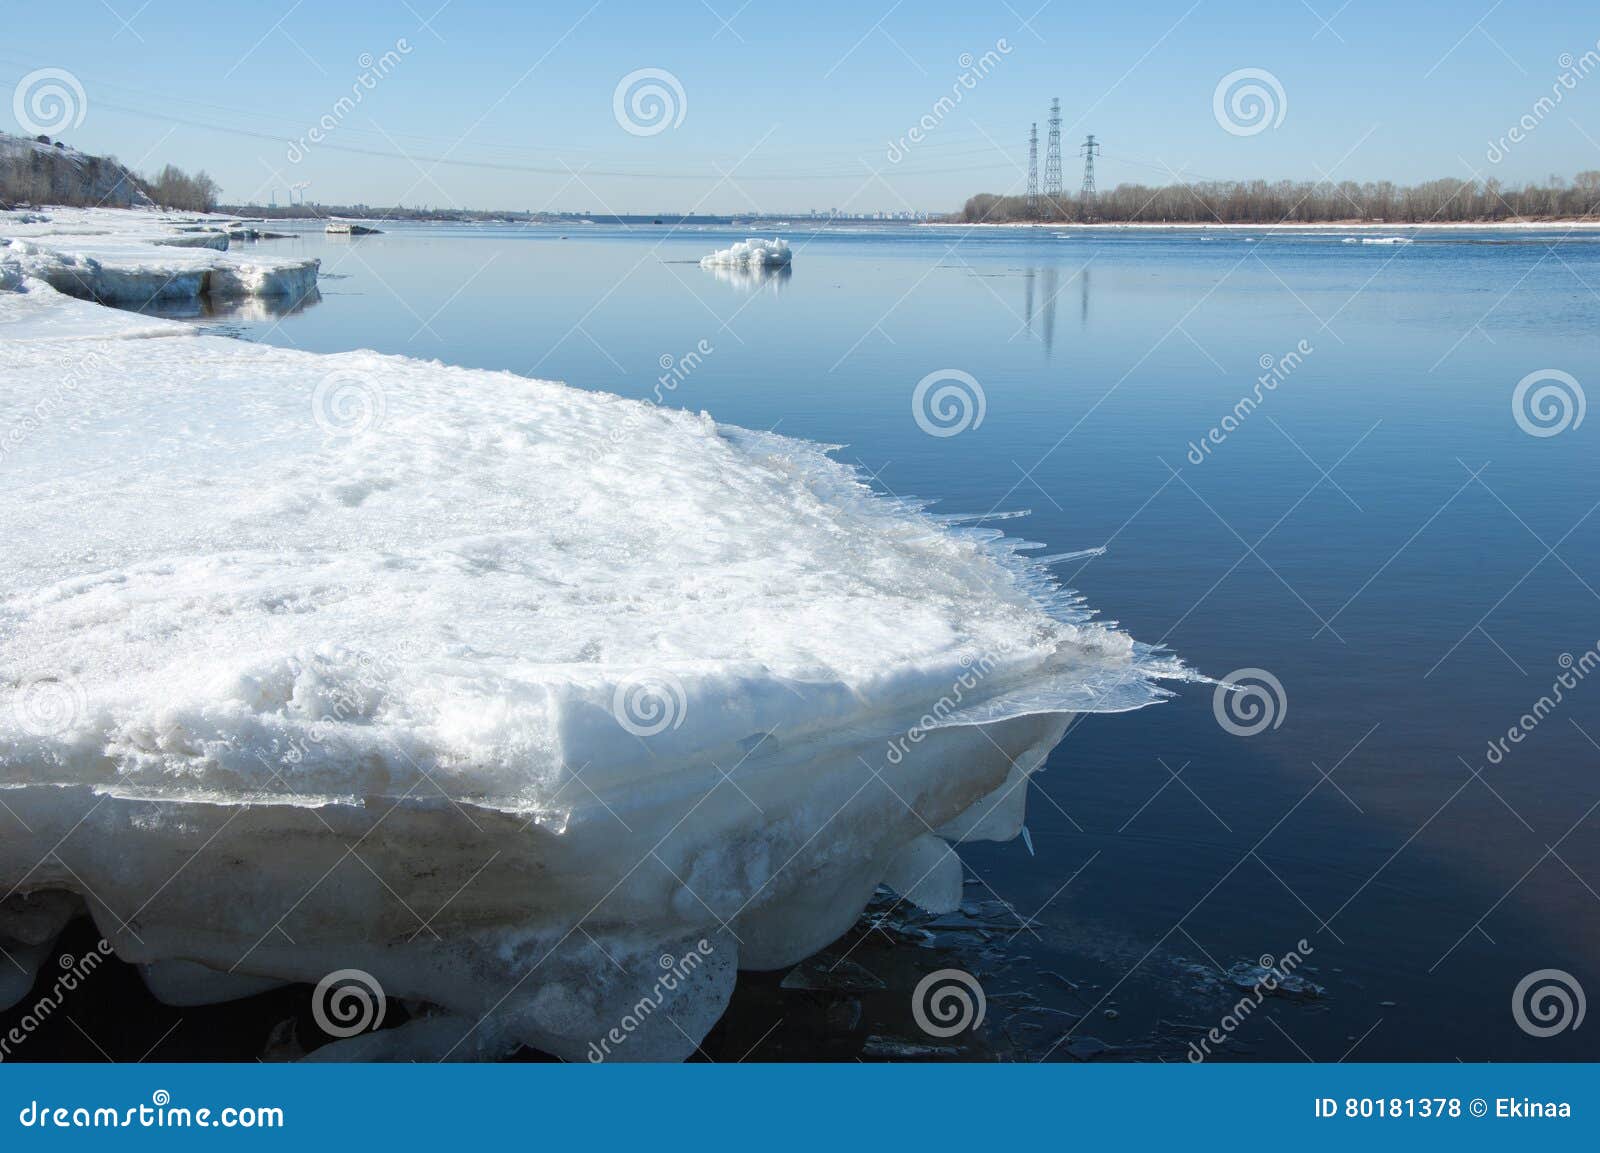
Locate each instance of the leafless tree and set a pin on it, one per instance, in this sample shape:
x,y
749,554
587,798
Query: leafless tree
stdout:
x,y
1264,202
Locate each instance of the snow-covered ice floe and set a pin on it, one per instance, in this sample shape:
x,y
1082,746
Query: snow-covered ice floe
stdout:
x,y
129,257
752,253
319,665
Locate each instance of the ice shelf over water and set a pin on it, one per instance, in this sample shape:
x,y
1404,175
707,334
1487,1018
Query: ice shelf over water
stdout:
x,y
752,253
531,704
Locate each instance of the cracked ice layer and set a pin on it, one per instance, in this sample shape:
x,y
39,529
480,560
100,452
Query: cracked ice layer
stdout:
x,y
132,257
750,253
506,693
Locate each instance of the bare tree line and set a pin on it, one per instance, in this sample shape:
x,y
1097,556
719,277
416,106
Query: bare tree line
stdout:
x,y
1304,202
172,187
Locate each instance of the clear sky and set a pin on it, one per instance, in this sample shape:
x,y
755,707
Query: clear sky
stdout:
x,y
786,107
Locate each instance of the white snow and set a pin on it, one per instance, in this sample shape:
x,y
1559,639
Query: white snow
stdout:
x,y
311,663
750,253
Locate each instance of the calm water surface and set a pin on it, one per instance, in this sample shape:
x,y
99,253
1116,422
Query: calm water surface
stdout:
x,y
1379,534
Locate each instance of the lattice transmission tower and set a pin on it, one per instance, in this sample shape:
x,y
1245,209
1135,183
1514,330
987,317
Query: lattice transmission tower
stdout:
x,y
1033,170
1089,149
1052,157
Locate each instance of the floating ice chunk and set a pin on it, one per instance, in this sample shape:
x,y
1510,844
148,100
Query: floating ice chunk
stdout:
x,y
350,228
896,1049
752,253
1273,981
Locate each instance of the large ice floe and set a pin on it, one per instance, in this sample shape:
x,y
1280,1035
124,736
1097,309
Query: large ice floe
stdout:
x,y
127,257
541,710
752,253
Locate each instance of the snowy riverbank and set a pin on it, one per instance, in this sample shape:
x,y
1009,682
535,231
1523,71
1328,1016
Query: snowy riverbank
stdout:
x,y
517,698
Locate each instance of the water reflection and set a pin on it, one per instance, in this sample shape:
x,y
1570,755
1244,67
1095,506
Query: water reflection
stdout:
x,y
244,310
1047,311
751,279
1040,300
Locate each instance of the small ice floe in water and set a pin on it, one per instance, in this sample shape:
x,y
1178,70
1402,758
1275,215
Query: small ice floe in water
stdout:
x,y
752,253
1250,975
1377,240
895,1049
350,228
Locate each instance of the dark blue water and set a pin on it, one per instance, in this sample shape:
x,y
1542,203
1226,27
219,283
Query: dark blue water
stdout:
x,y
1379,534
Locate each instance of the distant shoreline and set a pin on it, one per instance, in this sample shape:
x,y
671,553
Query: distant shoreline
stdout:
x,y
1285,226
801,223
323,212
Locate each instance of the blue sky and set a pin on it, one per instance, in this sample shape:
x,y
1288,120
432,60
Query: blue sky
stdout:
x,y
788,107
